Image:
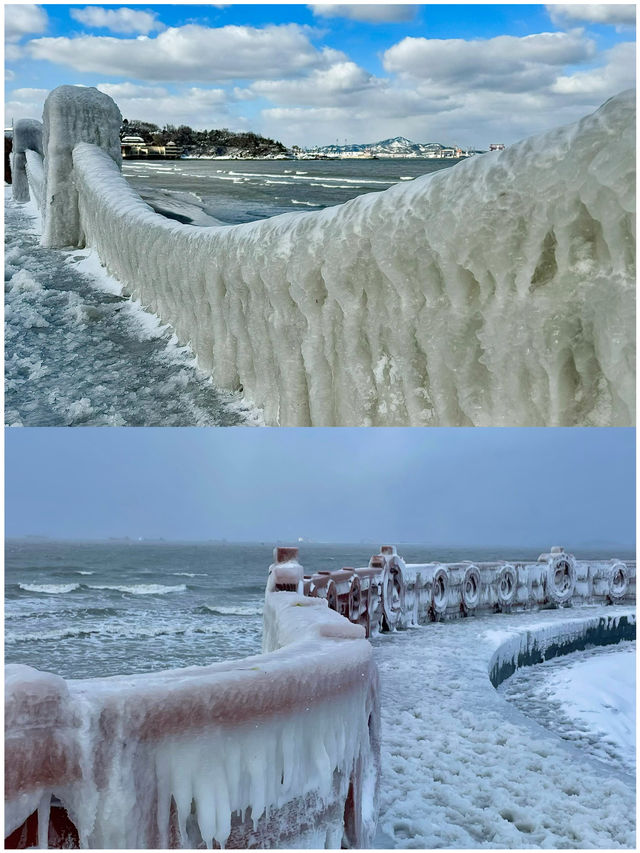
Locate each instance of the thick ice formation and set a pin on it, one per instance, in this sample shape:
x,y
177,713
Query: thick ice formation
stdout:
x,y
588,698
27,137
262,750
462,768
499,292
73,114
35,174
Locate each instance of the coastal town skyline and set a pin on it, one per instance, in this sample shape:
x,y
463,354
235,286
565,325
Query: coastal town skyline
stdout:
x,y
321,75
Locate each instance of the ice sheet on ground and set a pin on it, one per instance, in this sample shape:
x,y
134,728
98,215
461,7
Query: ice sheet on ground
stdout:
x,y
80,353
462,768
587,698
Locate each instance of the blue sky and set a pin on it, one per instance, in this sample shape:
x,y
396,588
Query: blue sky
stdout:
x,y
451,487
307,75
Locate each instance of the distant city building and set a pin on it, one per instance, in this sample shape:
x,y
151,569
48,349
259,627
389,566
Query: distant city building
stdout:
x,y
496,146
134,148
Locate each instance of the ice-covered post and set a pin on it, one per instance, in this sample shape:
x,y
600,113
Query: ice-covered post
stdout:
x,y
73,114
286,573
27,136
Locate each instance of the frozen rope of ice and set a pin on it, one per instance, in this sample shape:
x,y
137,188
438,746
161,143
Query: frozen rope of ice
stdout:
x,y
499,292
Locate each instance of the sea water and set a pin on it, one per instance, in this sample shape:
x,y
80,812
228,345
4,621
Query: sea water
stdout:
x,y
85,609
234,191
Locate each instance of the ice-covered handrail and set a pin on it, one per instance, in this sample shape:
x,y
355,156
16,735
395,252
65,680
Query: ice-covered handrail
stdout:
x,y
390,593
27,137
280,749
405,306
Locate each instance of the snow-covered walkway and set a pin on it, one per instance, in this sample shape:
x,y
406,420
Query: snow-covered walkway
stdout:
x,y
587,697
462,767
77,352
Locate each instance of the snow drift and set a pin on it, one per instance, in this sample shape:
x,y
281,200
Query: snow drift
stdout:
x,y
275,750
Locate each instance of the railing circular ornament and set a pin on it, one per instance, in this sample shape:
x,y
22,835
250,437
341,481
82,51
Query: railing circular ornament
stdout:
x,y
393,604
332,595
561,578
471,586
507,584
618,577
440,591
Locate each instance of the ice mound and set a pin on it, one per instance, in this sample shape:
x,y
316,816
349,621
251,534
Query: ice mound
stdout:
x,y
499,292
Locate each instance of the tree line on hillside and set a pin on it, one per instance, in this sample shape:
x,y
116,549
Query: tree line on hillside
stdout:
x,y
211,142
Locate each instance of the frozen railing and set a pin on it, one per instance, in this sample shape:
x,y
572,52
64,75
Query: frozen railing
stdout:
x,y
27,150
277,750
281,749
390,593
402,307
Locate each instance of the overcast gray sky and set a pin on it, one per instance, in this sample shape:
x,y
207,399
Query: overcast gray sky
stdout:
x,y
437,486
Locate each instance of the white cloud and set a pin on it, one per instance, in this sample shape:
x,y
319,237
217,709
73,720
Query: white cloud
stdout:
x,y
503,63
599,83
24,103
594,13
24,19
471,93
13,52
372,13
189,53
199,108
328,86
122,20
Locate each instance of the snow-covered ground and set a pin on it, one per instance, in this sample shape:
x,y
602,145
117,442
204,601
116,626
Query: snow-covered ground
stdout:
x,y
464,768
588,698
77,352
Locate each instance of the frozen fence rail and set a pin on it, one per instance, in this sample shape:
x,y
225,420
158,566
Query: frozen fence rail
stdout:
x,y
390,593
401,307
277,750
281,749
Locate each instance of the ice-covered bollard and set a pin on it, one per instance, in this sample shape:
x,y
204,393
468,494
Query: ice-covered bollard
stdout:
x,y
73,114
27,136
285,574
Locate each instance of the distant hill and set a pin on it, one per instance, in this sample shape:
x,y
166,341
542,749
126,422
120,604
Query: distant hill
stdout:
x,y
205,143
399,146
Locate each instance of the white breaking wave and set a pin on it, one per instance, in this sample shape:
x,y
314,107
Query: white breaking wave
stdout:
x,y
191,574
499,292
143,588
233,611
50,588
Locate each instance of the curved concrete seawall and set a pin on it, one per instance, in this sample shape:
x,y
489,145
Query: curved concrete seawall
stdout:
x,y
402,307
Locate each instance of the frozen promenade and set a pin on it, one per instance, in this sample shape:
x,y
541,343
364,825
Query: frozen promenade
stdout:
x,y
78,353
462,767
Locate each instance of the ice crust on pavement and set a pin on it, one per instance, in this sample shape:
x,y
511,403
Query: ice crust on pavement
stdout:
x,y
587,698
79,353
463,768
499,292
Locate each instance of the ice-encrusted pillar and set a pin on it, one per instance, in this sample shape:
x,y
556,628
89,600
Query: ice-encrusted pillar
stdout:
x,y
27,136
73,114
